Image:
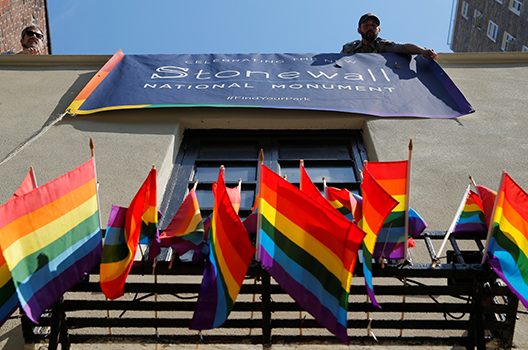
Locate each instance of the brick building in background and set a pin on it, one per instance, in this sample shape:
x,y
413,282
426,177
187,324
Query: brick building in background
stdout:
x,y
15,15
490,26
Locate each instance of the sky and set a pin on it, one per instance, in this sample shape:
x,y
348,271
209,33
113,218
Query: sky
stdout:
x,y
238,26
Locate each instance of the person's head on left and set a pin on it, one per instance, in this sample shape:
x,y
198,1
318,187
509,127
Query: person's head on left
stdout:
x,y
32,37
368,27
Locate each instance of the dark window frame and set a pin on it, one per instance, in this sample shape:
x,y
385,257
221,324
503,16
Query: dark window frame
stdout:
x,y
272,142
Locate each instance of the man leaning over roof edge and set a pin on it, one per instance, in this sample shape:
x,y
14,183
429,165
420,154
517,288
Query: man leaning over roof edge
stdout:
x,y
31,42
369,29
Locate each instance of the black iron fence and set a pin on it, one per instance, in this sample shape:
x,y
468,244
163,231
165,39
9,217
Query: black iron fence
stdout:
x,y
457,303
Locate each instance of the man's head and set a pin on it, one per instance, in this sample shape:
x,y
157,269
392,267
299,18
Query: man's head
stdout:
x,y
368,27
32,38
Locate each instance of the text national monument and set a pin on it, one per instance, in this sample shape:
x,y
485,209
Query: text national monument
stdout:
x,y
383,85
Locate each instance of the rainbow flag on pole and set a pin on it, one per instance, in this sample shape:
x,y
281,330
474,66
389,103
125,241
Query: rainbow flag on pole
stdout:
x,y
471,218
507,244
51,238
8,297
392,177
118,257
229,257
377,205
186,229
309,250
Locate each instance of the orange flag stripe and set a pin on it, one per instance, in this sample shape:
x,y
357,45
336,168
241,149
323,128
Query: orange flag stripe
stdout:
x,y
395,187
513,214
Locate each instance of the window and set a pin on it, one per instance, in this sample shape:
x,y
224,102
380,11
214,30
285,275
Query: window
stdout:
x,y
515,7
525,48
508,43
465,7
492,31
336,155
478,19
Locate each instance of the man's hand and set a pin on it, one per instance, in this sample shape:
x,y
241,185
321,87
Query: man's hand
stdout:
x,y
430,54
29,51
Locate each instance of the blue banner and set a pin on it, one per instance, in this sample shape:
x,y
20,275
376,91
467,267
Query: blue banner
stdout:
x,y
384,85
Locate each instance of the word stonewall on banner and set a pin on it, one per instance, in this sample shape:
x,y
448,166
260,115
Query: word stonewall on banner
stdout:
x,y
385,85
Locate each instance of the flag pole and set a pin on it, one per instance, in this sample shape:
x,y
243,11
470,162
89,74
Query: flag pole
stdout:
x,y
92,147
259,220
33,177
92,152
407,200
451,227
474,183
490,228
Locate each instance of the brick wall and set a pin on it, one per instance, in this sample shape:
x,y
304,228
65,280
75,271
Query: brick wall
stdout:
x,y
15,15
469,38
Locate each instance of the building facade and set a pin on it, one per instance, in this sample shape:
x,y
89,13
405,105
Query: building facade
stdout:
x,y
15,15
490,26
190,143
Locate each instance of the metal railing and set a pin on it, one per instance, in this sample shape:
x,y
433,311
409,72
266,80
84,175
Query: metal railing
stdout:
x,y
457,303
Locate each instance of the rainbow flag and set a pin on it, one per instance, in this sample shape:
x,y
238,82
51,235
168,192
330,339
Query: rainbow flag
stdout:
x,y
186,229
346,202
229,257
309,250
149,220
8,297
201,251
395,251
392,177
377,205
471,218
51,238
118,257
307,186
508,238
487,197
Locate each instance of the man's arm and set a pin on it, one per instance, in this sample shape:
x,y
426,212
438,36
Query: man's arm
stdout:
x,y
414,49
29,51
